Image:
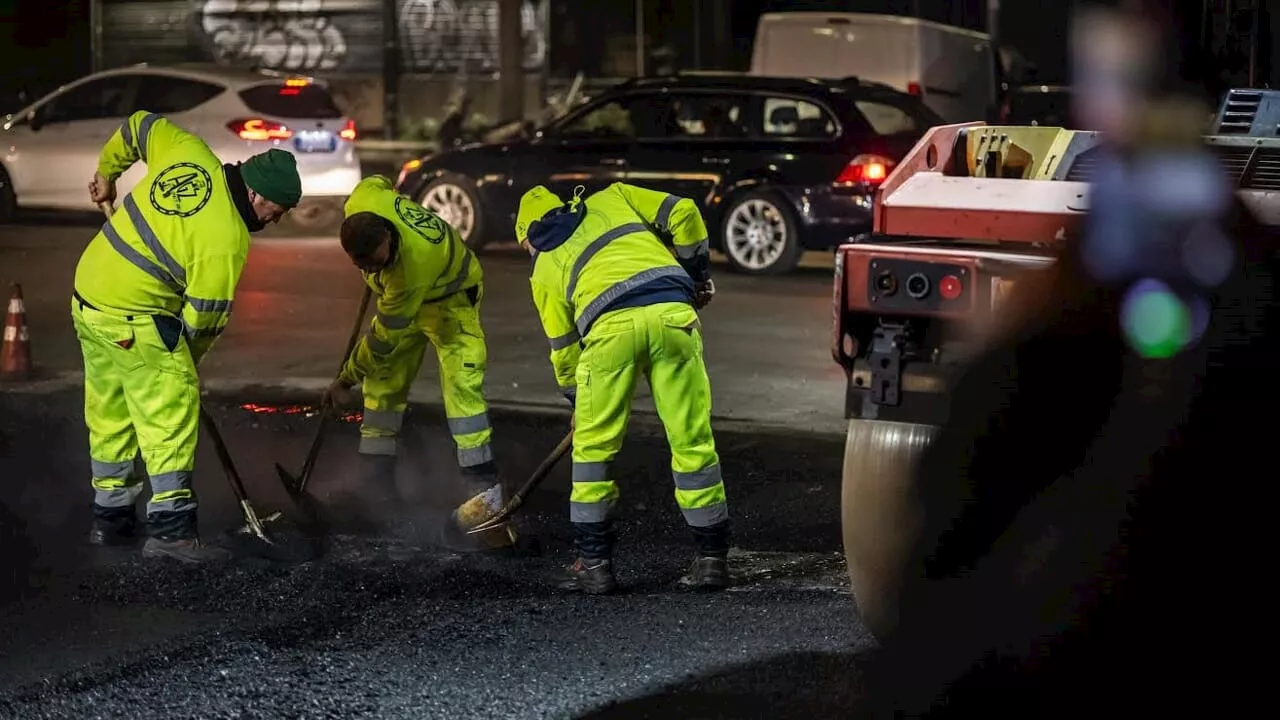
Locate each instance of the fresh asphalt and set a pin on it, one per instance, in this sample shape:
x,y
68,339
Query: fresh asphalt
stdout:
x,y
389,624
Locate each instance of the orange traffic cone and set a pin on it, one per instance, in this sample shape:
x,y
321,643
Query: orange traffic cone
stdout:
x,y
15,352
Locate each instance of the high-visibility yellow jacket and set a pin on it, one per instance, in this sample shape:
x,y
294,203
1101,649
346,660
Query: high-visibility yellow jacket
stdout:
x,y
429,263
609,252
179,242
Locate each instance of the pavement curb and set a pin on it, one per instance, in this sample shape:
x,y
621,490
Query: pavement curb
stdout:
x,y
305,391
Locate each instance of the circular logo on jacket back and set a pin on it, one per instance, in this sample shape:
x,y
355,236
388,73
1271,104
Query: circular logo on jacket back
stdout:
x,y
425,223
181,189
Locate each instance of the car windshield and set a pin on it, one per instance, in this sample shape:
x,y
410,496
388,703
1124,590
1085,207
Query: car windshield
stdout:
x,y
284,100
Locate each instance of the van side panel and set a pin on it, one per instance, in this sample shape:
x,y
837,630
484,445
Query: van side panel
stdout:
x,y
877,52
785,48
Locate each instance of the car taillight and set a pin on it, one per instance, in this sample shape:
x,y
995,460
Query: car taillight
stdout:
x,y
865,169
915,89
406,169
348,131
257,129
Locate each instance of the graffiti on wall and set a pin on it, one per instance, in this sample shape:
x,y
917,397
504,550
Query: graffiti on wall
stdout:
x,y
293,35
436,36
453,35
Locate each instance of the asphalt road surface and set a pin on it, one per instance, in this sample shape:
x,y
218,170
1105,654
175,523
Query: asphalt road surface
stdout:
x,y
767,339
388,624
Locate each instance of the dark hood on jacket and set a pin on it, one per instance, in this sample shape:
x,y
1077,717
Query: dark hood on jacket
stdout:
x,y
556,227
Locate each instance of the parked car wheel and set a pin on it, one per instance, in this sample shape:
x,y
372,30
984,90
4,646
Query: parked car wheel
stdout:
x,y
760,236
454,199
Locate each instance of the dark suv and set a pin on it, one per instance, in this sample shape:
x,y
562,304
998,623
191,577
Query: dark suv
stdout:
x,y
778,165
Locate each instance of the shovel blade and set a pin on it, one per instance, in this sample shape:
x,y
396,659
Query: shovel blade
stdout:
x,y
501,517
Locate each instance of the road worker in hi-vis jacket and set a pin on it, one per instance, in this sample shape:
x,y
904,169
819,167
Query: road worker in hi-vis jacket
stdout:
x,y
153,290
428,286
615,305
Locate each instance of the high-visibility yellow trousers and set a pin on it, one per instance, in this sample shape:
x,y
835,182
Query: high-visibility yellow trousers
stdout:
x,y
141,393
664,343
452,327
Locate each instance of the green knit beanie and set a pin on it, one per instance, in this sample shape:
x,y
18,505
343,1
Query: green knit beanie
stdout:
x,y
274,175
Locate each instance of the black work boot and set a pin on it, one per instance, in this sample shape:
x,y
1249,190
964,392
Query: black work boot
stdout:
x,y
710,568
707,573
173,536
592,571
593,577
113,526
187,550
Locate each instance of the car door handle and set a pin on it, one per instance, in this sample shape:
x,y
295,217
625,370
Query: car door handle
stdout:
x,y
715,161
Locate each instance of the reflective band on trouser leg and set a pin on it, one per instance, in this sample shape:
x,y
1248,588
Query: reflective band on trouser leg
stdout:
x,y
594,496
171,492
379,431
115,484
472,435
700,496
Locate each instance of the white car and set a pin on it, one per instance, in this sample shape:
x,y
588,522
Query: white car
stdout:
x,y
50,149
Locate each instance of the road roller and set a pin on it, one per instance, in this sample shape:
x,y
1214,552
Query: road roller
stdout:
x,y
964,226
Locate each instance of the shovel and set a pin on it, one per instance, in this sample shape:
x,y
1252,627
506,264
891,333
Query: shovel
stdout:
x,y
517,500
253,524
297,486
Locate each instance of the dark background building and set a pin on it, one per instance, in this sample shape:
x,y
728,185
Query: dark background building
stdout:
x,y
443,43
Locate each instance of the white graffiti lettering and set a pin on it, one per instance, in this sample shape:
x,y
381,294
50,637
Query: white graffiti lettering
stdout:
x,y
451,35
293,35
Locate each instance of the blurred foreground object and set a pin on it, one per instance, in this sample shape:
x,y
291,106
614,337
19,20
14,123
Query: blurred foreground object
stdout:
x,y
1086,539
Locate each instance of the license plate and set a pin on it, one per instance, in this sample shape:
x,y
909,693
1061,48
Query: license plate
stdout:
x,y
1000,291
309,142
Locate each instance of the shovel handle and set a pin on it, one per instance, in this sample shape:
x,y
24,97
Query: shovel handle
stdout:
x,y
228,466
314,451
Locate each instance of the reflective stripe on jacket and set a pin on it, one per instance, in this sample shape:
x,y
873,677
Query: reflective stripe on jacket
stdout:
x,y
611,258
177,244
431,262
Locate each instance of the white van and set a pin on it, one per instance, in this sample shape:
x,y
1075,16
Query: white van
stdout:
x,y
952,69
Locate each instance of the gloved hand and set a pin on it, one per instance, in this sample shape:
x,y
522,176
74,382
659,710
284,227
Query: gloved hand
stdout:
x,y
335,394
101,189
702,293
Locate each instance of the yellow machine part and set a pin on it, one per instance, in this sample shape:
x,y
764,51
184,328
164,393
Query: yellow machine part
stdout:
x,y
1023,152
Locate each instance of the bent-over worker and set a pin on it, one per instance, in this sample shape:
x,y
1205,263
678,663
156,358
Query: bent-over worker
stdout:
x,y
153,290
429,286
615,304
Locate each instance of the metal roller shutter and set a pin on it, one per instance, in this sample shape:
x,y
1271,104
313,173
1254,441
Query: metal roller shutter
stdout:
x,y
336,36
